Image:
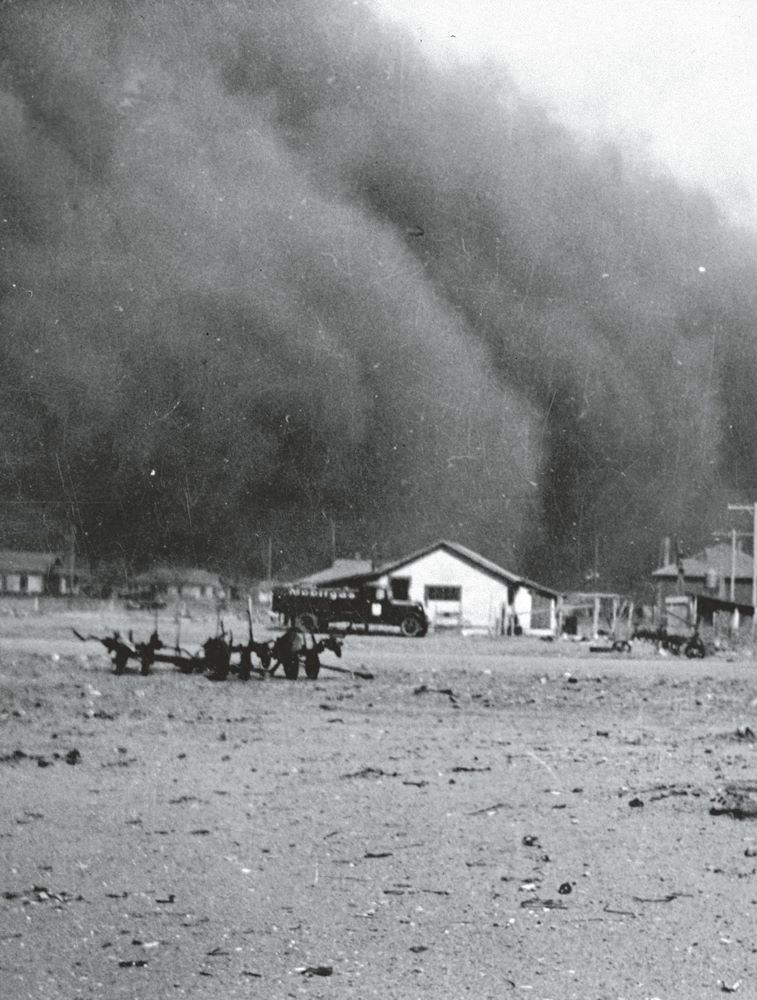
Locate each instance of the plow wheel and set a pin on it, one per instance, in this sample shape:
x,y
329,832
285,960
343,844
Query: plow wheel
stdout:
x,y
695,649
621,646
291,665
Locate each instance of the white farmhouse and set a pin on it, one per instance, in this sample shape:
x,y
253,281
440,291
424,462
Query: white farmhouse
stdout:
x,y
460,588
35,573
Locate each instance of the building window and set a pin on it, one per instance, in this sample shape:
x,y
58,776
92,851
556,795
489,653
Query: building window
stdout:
x,y
400,587
443,594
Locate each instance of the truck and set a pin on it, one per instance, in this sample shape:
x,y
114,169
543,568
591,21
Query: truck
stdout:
x,y
316,609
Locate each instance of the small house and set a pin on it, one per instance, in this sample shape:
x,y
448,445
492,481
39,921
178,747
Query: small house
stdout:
x,y
34,574
719,571
179,583
461,589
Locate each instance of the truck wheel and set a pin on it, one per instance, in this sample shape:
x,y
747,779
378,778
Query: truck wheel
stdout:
x,y
291,665
306,622
411,627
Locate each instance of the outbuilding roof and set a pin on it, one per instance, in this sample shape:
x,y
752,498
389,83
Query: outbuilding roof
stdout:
x,y
16,561
339,570
177,575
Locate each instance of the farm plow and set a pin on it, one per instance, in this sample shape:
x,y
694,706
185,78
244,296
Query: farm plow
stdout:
x,y
681,633
219,656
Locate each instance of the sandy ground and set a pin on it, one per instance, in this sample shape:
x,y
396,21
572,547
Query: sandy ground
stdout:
x,y
483,819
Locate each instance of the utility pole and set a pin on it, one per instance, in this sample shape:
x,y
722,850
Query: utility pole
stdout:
x,y
753,508
735,613
71,562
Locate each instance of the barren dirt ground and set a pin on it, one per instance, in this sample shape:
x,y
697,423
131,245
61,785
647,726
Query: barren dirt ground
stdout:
x,y
483,819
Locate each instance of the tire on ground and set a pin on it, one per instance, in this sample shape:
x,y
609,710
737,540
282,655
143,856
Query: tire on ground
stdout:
x,y
412,627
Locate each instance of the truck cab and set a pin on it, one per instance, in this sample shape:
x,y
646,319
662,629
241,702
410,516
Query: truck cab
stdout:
x,y
382,608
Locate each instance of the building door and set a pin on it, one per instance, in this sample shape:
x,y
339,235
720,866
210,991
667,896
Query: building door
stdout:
x,y
400,586
444,606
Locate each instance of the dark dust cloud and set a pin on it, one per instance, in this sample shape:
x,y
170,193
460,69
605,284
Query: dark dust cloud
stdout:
x,y
264,268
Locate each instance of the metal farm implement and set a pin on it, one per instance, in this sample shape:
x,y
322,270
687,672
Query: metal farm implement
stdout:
x,y
683,637
219,656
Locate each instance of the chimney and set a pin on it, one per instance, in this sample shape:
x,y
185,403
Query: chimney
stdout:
x,y
666,550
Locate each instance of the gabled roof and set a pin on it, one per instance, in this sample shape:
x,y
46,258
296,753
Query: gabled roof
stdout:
x,y
354,577
714,557
15,561
454,548
202,577
473,559
340,569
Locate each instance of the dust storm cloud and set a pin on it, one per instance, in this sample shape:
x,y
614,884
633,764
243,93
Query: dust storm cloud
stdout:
x,y
266,268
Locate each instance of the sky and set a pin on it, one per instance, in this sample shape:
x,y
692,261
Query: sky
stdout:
x,y
676,82
266,269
